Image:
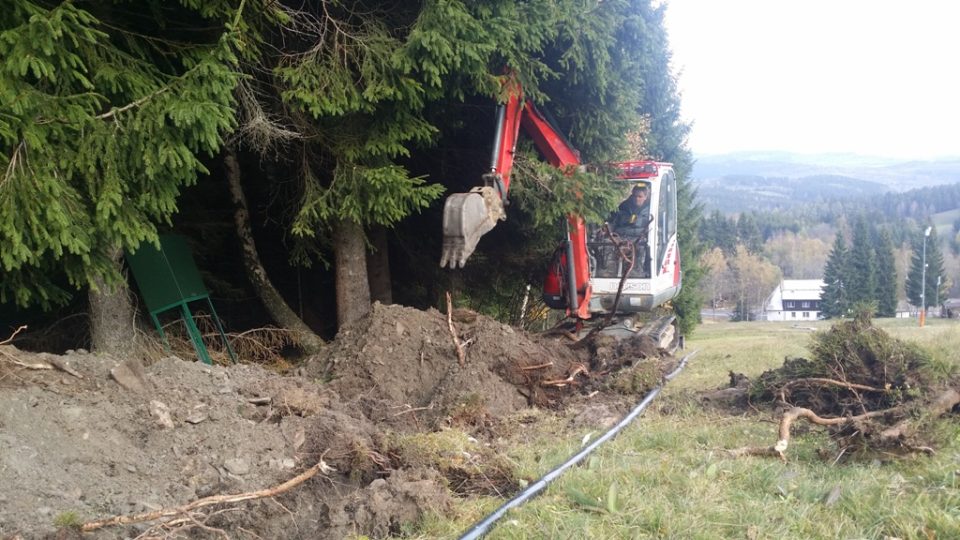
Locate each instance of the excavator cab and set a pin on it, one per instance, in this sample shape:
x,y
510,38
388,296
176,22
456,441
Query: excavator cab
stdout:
x,y
642,253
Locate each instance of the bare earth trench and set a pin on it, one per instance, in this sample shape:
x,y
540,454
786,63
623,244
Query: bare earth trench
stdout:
x,y
73,449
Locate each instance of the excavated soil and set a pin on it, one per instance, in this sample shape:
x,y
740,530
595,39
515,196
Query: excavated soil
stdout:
x,y
115,438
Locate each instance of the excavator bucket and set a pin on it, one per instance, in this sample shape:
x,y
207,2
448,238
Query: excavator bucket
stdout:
x,y
467,217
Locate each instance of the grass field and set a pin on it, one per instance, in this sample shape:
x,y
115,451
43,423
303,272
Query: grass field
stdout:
x,y
666,476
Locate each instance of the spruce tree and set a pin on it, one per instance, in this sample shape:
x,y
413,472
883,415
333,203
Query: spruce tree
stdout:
x,y
862,285
886,272
835,302
748,232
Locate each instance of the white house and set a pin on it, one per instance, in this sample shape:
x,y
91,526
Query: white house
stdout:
x,y
794,300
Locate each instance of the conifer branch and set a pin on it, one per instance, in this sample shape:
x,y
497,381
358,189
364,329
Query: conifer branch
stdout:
x,y
117,110
136,103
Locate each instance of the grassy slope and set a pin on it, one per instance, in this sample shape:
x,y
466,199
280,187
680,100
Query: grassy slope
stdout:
x,y
673,481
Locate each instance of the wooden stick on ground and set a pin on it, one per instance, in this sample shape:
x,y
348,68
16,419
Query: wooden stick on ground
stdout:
x,y
461,356
321,466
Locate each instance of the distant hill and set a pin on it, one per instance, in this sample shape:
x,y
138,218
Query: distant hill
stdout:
x,y
778,180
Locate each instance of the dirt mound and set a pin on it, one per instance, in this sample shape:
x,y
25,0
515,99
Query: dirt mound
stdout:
x,y
398,359
73,449
98,437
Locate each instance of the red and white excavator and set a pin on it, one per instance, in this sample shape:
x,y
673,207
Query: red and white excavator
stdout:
x,y
597,269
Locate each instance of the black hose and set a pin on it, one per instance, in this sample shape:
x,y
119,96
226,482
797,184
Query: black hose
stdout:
x,y
482,528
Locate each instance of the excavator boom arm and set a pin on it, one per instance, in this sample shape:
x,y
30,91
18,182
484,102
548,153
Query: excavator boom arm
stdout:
x,y
468,216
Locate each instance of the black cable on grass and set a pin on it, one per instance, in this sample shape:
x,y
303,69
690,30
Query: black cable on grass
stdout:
x,y
483,527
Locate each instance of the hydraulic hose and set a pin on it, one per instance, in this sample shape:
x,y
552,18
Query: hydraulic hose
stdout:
x,y
481,528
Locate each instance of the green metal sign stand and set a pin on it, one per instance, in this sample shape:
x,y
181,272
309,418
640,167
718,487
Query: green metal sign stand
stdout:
x,y
168,279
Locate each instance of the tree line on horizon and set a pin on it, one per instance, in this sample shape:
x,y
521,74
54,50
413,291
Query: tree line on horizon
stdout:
x,y
874,258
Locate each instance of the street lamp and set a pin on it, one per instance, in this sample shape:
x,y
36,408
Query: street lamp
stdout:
x,y
923,280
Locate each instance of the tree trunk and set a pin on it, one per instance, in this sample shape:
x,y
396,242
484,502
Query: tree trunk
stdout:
x,y
378,267
276,306
112,325
350,259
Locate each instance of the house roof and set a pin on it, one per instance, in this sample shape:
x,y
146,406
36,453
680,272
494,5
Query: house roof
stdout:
x,y
794,289
802,289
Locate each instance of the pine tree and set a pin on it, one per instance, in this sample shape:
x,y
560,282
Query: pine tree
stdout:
x,y
886,273
835,302
862,285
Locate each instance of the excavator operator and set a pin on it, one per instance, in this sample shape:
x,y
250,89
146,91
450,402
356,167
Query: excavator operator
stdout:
x,y
633,215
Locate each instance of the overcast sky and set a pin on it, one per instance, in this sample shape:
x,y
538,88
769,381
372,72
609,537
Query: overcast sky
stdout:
x,y
875,77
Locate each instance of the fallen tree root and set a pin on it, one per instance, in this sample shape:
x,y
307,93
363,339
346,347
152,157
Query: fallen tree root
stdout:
x,y
944,403
898,433
789,417
187,509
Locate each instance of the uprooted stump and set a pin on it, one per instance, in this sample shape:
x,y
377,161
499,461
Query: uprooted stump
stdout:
x,y
871,391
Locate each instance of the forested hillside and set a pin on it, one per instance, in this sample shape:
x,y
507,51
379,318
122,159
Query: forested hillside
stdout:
x,y
894,174
870,239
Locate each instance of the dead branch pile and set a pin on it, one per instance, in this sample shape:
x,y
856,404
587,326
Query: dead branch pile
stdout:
x,y
870,391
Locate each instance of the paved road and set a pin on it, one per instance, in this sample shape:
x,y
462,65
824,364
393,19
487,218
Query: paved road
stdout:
x,y
719,314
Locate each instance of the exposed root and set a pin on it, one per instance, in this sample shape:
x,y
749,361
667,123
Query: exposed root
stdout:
x,y
571,377
188,511
461,355
537,366
779,449
13,335
15,361
900,431
824,381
